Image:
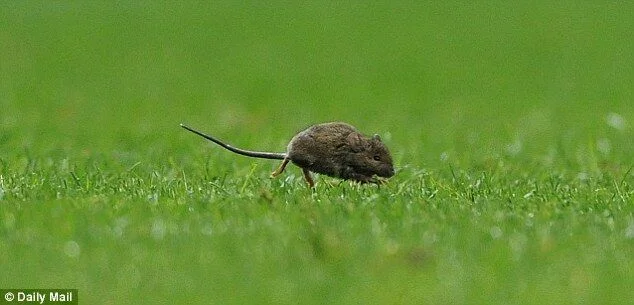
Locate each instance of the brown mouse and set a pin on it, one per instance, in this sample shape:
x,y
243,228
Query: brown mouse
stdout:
x,y
335,149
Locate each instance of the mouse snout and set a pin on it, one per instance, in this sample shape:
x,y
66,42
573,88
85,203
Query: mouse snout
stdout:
x,y
387,171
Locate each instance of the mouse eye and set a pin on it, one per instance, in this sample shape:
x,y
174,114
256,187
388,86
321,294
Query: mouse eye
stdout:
x,y
377,158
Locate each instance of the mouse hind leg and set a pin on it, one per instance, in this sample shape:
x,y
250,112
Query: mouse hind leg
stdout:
x,y
280,169
307,175
309,178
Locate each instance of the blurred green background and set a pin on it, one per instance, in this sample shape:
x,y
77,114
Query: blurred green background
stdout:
x,y
91,95
436,77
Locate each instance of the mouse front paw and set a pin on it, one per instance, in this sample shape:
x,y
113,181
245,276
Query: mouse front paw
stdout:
x,y
366,179
377,180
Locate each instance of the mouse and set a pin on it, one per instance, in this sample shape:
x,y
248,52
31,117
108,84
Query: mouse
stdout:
x,y
335,149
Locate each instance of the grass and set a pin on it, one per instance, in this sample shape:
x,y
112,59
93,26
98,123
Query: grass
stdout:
x,y
510,126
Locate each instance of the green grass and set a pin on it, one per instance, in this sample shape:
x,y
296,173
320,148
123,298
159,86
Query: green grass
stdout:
x,y
510,126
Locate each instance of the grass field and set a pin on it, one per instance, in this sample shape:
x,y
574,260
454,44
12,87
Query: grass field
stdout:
x,y
510,125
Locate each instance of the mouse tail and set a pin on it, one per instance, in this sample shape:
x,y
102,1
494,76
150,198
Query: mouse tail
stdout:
x,y
248,153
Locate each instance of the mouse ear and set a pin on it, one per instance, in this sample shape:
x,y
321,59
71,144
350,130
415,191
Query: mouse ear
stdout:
x,y
376,137
355,141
